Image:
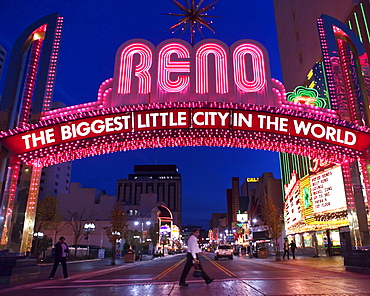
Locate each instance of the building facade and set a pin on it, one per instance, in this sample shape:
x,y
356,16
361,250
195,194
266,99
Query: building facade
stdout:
x,y
2,59
316,55
162,180
55,180
299,44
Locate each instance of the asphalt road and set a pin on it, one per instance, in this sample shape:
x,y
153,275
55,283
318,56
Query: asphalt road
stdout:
x,y
241,276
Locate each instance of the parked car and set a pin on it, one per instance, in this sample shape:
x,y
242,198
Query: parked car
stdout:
x,y
224,251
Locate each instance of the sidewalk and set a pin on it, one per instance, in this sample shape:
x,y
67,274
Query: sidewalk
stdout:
x,y
74,267
343,283
327,263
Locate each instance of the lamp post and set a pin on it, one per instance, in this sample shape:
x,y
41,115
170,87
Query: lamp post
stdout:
x,y
116,236
136,223
38,236
88,228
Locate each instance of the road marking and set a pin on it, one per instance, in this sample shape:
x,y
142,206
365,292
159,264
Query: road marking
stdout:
x,y
219,266
168,270
111,280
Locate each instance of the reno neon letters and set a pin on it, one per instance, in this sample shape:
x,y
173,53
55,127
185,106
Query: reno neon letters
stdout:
x,y
178,66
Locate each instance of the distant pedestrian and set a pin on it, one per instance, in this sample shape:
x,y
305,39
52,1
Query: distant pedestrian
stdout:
x,y
293,246
249,251
192,258
244,250
61,251
286,248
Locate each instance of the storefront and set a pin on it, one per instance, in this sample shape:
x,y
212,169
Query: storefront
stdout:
x,y
315,210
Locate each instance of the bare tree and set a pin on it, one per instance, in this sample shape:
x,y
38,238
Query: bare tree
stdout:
x,y
77,222
47,212
117,228
48,217
154,235
272,218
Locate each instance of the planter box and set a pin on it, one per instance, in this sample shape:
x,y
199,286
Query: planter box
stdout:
x,y
130,258
357,260
15,269
262,254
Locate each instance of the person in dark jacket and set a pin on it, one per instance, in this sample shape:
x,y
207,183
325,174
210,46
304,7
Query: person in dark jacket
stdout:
x,y
293,246
61,251
286,248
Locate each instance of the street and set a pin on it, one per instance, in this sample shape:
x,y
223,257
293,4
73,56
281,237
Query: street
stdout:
x,y
241,276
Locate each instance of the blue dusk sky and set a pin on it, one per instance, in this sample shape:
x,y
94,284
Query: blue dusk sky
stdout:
x,y
92,33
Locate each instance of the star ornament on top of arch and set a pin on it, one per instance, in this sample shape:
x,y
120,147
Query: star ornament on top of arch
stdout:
x,y
193,18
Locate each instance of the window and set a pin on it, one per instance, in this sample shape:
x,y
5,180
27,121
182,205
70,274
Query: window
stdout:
x,y
55,191
57,176
56,183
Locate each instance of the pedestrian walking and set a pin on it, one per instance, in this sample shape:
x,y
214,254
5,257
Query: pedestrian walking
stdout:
x,y
293,246
60,256
286,248
192,258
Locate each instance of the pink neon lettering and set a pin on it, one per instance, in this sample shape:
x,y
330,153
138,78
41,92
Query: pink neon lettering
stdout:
x,y
141,70
202,79
166,67
240,71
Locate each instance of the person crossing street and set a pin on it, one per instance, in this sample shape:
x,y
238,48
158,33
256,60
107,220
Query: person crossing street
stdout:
x,y
192,258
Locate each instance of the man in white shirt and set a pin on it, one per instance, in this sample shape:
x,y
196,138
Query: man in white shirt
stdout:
x,y
193,258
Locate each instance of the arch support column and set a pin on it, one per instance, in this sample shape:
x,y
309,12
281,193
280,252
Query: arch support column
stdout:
x,y
30,214
8,199
357,216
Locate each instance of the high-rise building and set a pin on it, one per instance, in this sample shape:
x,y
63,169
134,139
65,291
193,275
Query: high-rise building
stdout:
x,y
299,43
233,201
267,187
55,180
229,207
163,180
2,59
218,220
247,190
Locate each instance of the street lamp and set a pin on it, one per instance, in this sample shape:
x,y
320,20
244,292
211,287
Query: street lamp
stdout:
x,y
38,236
88,228
136,223
116,237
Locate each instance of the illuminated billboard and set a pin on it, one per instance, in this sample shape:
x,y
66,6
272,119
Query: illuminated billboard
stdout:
x,y
327,191
315,201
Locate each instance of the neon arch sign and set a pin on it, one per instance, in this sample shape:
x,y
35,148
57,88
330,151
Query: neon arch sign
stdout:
x,y
165,91
178,95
